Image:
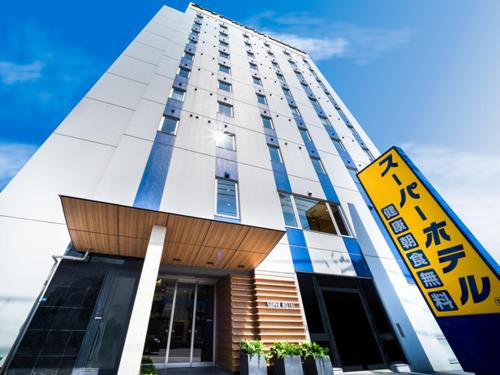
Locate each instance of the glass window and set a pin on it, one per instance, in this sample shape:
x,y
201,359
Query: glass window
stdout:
x,y
257,81
288,93
225,140
224,55
305,134
292,63
183,72
270,53
299,75
295,111
188,56
225,86
177,94
281,77
224,69
248,44
169,125
340,146
227,200
370,155
267,122
245,36
250,54
339,219
286,53
226,109
223,44
325,122
261,99
253,66
287,207
275,64
318,166
275,153
314,215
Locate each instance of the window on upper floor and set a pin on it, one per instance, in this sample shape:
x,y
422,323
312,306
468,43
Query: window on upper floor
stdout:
x,y
288,93
261,99
369,154
305,135
188,56
281,78
295,110
326,122
169,125
339,145
183,72
224,69
225,109
227,198
275,64
286,52
318,166
223,44
224,55
288,211
314,215
245,36
253,66
275,153
257,81
177,94
267,122
250,54
225,140
248,44
225,86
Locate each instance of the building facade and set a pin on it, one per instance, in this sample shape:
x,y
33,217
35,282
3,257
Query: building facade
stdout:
x,y
203,192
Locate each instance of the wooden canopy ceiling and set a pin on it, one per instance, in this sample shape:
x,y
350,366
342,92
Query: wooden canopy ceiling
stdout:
x,y
113,229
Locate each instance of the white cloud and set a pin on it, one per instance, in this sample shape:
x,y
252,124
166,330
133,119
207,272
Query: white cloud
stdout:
x,y
12,158
12,73
323,39
318,48
469,182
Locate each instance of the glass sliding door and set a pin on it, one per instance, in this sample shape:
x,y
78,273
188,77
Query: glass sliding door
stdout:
x,y
155,347
180,338
181,324
204,325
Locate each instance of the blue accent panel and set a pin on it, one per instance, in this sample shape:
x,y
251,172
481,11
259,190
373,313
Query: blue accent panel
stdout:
x,y
490,261
300,253
154,177
357,258
226,169
227,219
281,177
474,340
328,188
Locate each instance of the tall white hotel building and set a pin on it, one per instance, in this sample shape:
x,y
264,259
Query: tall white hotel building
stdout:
x,y
203,192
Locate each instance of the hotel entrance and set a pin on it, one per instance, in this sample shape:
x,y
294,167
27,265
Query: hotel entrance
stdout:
x,y
181,324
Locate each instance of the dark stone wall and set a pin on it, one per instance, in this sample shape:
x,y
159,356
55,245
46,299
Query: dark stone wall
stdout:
x,y
52,342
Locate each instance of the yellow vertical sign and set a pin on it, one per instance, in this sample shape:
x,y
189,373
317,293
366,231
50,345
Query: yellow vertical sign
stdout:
x,y
455,276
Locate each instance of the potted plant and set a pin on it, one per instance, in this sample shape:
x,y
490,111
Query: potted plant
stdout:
x,y
147,367
286,358
316,359
252,358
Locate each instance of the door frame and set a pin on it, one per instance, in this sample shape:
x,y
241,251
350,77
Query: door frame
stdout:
x,y
327,324
195,281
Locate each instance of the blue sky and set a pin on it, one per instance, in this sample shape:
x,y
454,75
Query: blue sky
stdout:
x,y
419,74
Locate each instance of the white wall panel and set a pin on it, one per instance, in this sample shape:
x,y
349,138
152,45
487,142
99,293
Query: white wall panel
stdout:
x,y
96,121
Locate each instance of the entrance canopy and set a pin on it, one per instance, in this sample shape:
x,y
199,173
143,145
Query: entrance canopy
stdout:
x,y
113,229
